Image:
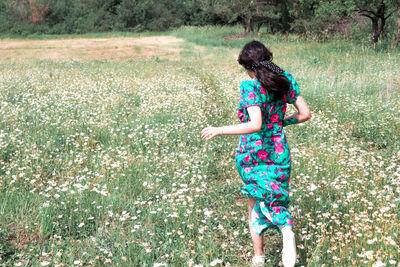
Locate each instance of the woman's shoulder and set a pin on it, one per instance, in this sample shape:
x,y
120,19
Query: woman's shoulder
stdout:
x,y
250,84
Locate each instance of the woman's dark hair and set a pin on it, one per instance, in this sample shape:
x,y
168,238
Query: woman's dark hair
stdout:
x,y
255,56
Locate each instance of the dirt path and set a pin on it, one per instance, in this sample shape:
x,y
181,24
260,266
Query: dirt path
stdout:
x,y
86,49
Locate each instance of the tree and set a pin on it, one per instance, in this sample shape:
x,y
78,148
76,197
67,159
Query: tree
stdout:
x,y
252,14
32,10
378,11
38,9
18,9
153,15
313,16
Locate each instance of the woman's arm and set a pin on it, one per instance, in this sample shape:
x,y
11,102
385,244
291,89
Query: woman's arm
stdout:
x,y
303,113
252,126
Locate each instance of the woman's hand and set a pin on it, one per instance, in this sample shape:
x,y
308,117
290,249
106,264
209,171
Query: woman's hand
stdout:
x,y
252,126
303,114
210,132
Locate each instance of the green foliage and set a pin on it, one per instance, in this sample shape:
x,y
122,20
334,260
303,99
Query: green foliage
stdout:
x,y
149,14
337,11
79,17
316,18
252,14
160,15
5,22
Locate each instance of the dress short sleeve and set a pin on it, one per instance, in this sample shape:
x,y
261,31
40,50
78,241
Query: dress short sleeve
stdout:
x,y
294,91
250,94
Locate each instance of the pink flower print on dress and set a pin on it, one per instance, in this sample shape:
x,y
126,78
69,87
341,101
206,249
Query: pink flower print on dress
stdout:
x,y
269,126
264,105
263,91
272,108
284,109
291,95
251,95
244,140
279,149
275,118
252,150
289,221
274,186
247,158
258,143
255,162
241,114
276,138
277,210
247,169
280,123
262,154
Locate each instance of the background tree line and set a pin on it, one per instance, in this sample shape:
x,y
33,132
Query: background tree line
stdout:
x,y
382,17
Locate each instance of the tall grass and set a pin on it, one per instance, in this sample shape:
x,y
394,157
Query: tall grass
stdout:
x,y
102,162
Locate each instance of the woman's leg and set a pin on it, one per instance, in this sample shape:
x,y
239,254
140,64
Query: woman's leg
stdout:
x,y
289,247
257,240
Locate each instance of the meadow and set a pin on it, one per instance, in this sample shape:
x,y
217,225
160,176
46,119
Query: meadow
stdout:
x,y
102,163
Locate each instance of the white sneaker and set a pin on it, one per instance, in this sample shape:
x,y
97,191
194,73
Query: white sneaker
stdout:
x,y
258,261
289,247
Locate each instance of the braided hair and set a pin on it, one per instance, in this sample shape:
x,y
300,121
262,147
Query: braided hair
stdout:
x,y
256,57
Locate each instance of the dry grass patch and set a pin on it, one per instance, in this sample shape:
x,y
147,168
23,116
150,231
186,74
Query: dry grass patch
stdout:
x,y
86,49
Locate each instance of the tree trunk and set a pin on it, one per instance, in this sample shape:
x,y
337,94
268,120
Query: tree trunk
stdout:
x,y
248,25
375,31
244,23
251,26
259,26
375,17
397,40
382,26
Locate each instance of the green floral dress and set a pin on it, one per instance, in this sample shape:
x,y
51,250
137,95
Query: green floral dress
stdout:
x,y
263,158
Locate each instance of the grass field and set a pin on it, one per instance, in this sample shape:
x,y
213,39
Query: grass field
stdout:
x,y
102,163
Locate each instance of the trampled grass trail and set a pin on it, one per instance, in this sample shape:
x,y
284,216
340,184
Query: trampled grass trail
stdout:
x,y
102,163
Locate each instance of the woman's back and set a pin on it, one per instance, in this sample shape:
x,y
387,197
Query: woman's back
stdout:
x,y
273,112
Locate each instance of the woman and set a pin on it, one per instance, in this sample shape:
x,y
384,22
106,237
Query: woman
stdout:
x,y
263,156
